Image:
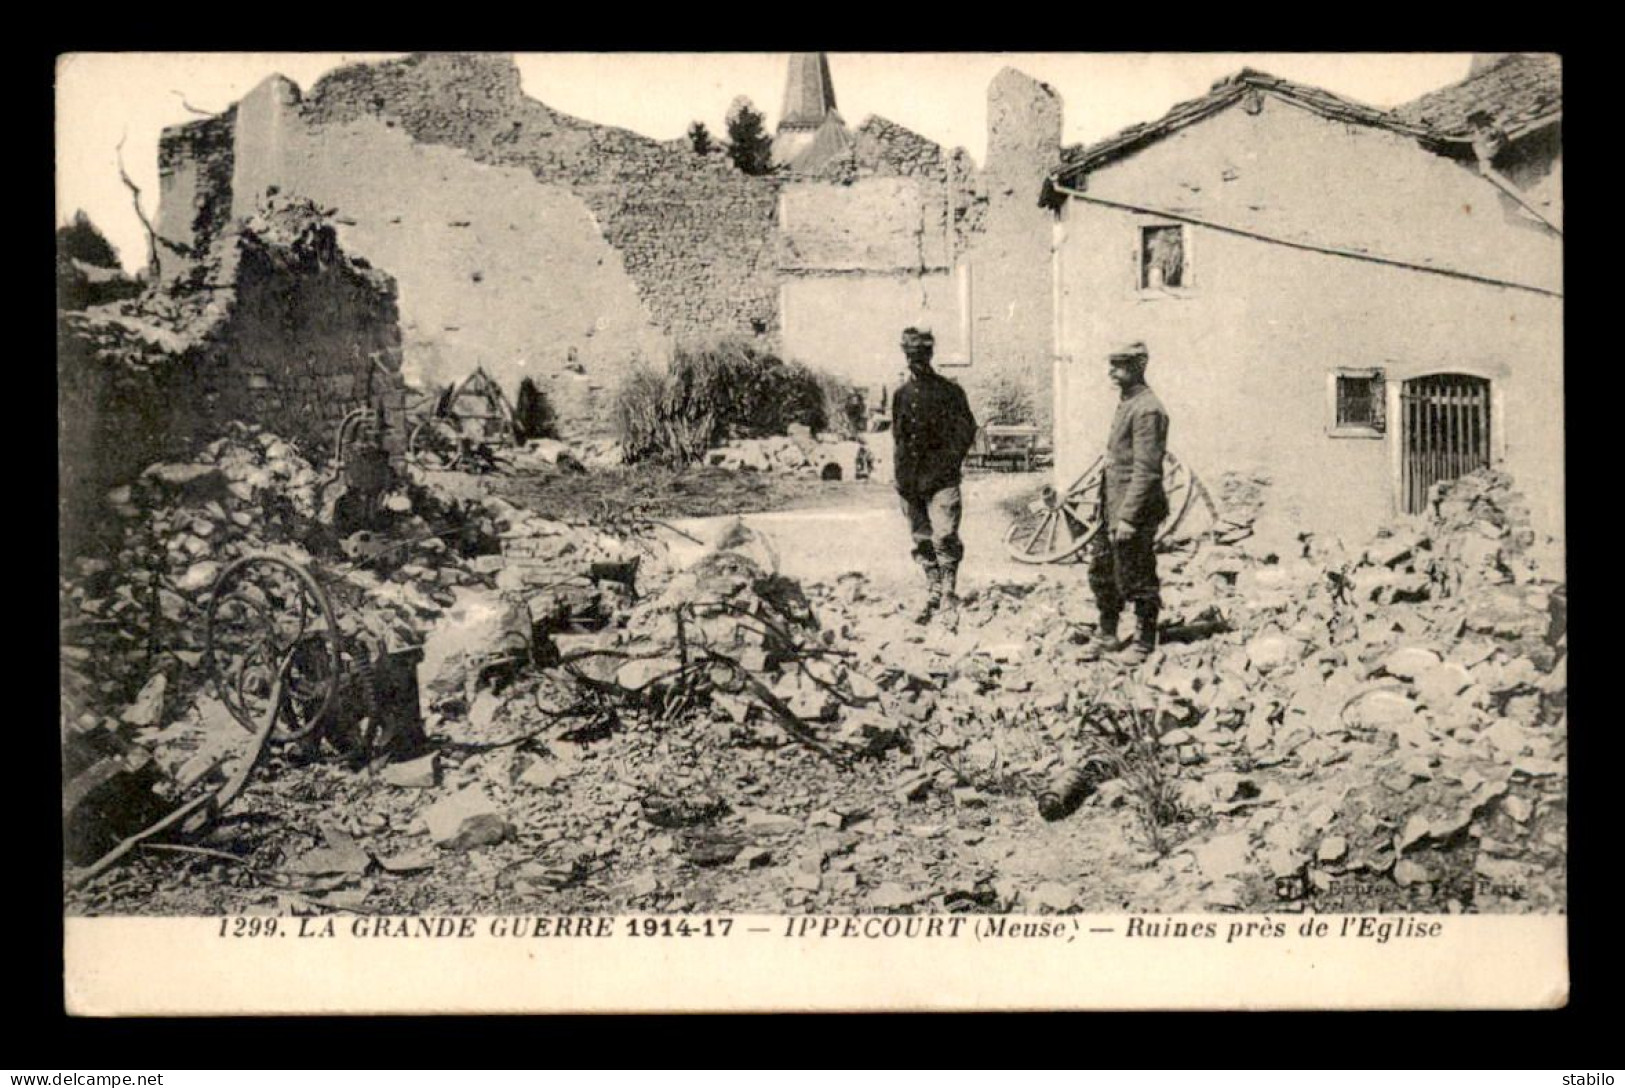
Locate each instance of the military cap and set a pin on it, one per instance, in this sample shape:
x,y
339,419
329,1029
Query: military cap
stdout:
x,y
917,337
1131,353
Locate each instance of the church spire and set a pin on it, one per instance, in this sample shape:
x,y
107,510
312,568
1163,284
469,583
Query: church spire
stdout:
x,y
810,131
809,94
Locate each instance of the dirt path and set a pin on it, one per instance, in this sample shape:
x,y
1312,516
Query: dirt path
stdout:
x,y
868,534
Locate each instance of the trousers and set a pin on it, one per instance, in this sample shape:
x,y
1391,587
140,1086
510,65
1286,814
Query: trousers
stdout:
x,y
1122,573
933,522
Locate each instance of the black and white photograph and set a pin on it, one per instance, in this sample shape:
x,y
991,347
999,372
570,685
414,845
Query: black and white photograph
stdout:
x,y
1041,495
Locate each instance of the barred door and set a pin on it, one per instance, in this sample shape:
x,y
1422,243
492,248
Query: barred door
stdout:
x,y
1444,433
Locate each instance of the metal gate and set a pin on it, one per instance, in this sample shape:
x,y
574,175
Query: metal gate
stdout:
x,y
1444,433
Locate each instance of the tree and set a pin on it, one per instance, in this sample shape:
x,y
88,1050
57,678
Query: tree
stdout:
x,y
700,137
81,241
749,145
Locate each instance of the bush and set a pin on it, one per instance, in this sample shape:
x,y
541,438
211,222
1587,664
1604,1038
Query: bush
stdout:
x,y
534,414
846,412
724,391
1008,401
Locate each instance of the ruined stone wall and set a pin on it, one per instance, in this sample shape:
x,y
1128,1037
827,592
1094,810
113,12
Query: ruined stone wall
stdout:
x,y
285,332
495,270
694,233
195,165
536,244
309,337
1010,290
526,241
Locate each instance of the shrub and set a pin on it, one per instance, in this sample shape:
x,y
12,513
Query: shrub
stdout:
x,y
534,414
846,413
723,391
1007,400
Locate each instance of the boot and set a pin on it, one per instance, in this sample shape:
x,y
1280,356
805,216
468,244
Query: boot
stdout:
x,y
933,600
1145,637
947,583
1105,640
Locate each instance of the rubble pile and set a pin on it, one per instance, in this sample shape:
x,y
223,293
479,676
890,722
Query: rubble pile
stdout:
x,y
825,457
1323,728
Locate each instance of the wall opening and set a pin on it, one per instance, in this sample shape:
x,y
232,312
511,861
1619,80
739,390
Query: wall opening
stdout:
x,y
1444,433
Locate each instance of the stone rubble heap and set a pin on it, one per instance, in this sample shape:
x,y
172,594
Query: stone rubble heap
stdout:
x,y
826,456
1333,728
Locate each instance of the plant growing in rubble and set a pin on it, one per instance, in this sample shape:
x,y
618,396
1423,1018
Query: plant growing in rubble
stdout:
x,y
716,392
1124,723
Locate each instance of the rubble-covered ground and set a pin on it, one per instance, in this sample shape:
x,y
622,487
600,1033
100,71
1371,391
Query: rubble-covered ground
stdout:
x,y
1374,727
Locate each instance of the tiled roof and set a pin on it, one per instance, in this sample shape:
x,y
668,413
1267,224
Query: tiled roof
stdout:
x,y
1081,159
1522,88
831,142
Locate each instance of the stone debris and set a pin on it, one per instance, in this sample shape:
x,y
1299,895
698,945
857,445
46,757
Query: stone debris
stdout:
x,y
826,457
723,735
465,820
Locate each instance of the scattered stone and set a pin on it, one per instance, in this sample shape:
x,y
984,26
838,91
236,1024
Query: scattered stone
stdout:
x,y
891,896
1409,872
1381,708
1517,808
1222,856
465,820
542,775
1441,683
417,774
1272,649
1332,850
410,861
1050,896
148,707
1409,661
1416,830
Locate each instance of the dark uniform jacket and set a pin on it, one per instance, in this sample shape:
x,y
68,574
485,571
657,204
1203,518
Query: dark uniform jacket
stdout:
x,y
933,428
1134,450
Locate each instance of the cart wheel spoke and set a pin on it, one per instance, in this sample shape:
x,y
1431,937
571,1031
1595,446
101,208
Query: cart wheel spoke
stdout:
x,y
266,616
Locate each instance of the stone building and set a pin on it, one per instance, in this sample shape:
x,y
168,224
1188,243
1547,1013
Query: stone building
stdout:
x,y
1355,302
532,243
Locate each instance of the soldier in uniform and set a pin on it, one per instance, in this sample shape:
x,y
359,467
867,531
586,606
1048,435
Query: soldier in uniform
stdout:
x,y
933,428
1123,567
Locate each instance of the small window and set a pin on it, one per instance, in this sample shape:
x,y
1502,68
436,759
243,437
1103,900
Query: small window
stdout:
x,y
1163,258
1359,403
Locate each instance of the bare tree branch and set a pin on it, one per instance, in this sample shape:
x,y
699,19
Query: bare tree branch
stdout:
x,y
154,239
191,108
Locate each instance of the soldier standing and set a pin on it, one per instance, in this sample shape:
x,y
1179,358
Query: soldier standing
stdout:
x,y
933,428
1123,567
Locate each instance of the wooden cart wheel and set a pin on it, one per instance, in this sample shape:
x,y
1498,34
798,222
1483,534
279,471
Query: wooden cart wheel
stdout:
x,y
1058,526
265,613
435,444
